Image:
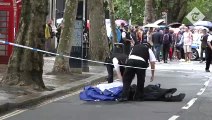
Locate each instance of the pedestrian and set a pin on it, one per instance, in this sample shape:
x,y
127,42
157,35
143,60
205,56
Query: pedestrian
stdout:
x,y
49,34
179,45
127,40
157,38
140,56
115,60
171,49
188,39
167,40
203,44
139,36
133,31
149,36
208,52
59,30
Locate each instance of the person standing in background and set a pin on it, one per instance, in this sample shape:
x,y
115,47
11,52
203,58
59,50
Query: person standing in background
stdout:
x,y
203,44
149,36
167,40
188,39
49,34
157,38
59,30
208,52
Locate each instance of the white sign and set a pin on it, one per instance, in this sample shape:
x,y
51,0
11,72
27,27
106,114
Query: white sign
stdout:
x,y
78,29
195,15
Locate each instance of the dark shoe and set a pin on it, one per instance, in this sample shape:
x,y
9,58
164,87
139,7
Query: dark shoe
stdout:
x,y
177,98
122,99
201,61
170,92
207,70
139,100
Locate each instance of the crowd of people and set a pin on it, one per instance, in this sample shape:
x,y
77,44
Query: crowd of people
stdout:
x,y
167,43
139,45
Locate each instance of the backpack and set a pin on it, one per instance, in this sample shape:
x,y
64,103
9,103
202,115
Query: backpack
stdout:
x,y
166,39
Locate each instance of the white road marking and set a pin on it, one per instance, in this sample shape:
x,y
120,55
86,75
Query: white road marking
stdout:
x,y
189,104
16,112
59,98
192,101
207,83
202,90
174,117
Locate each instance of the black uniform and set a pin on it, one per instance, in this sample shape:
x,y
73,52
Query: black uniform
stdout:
x,y
121,58
127,44
208,57
140,51
203,45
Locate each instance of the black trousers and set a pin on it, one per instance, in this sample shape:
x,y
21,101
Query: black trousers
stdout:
x,y
166,48
110,72
203,49
208,58
127,48
129,74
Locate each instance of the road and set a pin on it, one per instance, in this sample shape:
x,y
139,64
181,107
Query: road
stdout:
x,y
187,78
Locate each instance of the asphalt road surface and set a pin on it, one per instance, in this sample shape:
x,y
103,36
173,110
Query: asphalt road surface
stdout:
x,y
187,78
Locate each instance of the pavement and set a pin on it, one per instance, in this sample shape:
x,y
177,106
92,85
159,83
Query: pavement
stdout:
x,y
12,98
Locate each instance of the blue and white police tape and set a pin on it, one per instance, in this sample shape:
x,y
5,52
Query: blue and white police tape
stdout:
x,y
56,54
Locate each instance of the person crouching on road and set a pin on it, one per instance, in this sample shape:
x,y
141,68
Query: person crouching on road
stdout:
x,y
139,57
116,59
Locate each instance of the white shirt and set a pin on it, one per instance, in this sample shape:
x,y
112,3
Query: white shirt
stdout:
x,y
152,56
196,37
116,65
187,36
123,34
209,38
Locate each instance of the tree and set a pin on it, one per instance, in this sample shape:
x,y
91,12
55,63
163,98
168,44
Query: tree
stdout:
x,y
97,34
203,5
61,64
149,12
171,6
181,7
112,21
25,67
122,10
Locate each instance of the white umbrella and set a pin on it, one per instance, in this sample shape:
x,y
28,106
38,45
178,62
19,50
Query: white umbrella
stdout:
x,y
203,23
159,21
119,22
151,25
201,27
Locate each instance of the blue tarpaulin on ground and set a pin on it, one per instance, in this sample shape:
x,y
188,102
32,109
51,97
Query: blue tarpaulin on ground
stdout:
x,y
98,93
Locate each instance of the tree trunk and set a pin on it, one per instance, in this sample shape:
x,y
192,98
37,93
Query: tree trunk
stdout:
x,y
25,67
148,12
98,38
61,64
112,21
